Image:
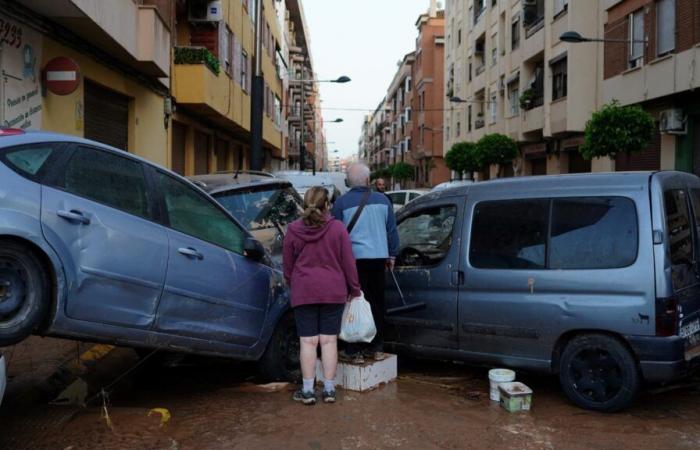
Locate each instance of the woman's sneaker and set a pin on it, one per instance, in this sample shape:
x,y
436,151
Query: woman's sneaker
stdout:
x,y
328,396
307,398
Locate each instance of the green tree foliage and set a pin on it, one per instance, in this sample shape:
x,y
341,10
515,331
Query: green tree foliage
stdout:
x,y
191,55
402,171
617,129
495,149
462,158
384,172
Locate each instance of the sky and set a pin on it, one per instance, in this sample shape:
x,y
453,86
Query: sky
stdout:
x,y
363,39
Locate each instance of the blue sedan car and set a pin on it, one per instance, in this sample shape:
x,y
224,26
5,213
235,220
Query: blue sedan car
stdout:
x,y
99,245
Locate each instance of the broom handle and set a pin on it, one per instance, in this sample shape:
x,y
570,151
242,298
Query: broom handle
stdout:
x,y
398,288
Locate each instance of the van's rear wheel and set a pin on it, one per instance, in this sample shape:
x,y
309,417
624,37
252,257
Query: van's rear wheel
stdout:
x,y
24,293
281,359
598,372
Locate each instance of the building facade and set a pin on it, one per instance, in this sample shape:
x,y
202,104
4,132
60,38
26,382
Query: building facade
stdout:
x,y
429,99
508,72
399,101
659,76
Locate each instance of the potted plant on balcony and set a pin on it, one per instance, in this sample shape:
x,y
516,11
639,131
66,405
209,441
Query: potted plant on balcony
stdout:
x,y
197,55
526,99
496,149
617,129
461,158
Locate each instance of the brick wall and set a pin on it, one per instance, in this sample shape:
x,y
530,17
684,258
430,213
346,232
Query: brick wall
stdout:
x,y
687,24
615,55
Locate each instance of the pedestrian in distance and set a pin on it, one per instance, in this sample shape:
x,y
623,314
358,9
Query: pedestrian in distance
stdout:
x,y
375,244
380,186
320,269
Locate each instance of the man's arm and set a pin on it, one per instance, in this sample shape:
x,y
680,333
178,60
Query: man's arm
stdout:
x,y
392,235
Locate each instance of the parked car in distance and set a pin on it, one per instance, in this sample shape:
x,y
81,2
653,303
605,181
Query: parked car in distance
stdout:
x,y
3,377
452,184
303,181
340,181
262,204
99,245
591,277
401,198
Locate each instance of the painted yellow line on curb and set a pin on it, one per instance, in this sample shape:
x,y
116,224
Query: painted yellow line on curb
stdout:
x,y
96,352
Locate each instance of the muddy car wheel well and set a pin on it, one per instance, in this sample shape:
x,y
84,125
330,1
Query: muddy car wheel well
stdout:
x,y
567,337
47,266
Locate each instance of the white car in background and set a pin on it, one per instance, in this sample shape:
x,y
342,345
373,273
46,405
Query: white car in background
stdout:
x,y
3,377
402,198
303,181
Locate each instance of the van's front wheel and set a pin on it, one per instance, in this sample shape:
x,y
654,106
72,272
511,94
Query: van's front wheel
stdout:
x,y
598,372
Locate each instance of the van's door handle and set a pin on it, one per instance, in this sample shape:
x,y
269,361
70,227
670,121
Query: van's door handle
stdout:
x,y
190,253
74,216
457,278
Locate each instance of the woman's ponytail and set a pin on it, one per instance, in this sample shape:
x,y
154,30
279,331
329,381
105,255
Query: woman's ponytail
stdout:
x,y
316,206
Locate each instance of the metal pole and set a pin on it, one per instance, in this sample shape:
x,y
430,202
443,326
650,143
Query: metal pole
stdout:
x,y
257,103
302,144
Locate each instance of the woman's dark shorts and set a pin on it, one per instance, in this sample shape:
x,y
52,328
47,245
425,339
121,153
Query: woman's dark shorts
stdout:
x,y
313,320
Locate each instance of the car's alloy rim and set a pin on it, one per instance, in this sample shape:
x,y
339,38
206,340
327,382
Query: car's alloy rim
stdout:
x,y
596,375
13,292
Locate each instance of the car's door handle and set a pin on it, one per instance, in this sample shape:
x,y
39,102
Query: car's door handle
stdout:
x,y
74,216
190,252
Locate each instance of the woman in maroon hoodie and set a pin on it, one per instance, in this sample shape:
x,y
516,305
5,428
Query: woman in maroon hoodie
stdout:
x,y
320,269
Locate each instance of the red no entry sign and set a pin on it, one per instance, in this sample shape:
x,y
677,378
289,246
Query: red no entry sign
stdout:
x,y
62,76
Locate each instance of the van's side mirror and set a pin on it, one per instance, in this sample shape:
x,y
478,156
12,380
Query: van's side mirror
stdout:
x,y
253,249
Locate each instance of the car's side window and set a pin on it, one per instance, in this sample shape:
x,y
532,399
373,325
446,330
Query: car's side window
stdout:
x,y
398,198
426,236
109,179
28,160
680,238
413,196
191,213
510,234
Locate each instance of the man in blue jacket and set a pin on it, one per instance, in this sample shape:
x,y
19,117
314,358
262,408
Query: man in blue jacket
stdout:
x,y
375,244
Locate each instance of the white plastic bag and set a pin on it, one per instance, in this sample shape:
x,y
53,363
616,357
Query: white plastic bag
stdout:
x,y
358,323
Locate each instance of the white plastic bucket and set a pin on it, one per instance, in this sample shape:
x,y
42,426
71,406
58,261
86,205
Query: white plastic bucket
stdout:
x,y
496,377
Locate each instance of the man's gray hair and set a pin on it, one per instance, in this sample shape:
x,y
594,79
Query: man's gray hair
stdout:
x,y
358,175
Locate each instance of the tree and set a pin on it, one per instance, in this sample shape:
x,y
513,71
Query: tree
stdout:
x,y
617,129
496,149
402,171
384,172
461,158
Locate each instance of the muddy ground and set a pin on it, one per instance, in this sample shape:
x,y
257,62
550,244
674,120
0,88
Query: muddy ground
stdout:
x,y
217,405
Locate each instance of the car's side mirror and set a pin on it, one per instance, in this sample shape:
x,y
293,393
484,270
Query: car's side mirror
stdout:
x,y
253,249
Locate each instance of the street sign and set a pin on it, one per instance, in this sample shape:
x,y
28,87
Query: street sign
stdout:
x,y
62,76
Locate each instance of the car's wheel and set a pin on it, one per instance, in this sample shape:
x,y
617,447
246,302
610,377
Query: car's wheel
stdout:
x,y
24,293
598,372
281,359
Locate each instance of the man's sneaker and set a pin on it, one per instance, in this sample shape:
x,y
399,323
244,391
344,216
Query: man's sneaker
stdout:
x,y
352,359
307,398
328,396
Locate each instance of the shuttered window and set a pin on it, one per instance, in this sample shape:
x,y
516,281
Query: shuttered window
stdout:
x,y
106,116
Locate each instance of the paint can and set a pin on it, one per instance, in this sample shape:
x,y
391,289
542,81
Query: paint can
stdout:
x,y
496,377
515,397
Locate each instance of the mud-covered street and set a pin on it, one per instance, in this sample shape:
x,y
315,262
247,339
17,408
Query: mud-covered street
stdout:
x,y
215,404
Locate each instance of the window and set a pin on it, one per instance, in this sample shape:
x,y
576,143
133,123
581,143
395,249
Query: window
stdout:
x,y
412,196
459,37
680,241
493,106
226,50
469,118
244,70
515,34
192,214
494,49
593,233
560,6
665,26
108,179
514,98
426,236
397,198
559,79
278,111
636,35
509,234
458,130
407,113
28,160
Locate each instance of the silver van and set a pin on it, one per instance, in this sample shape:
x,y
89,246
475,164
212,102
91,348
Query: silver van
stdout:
x,y
592,277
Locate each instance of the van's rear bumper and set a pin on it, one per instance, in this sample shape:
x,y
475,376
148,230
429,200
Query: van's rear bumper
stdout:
x,y
662,358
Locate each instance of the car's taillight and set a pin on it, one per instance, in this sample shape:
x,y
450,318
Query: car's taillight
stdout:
x,y
667,316
10,131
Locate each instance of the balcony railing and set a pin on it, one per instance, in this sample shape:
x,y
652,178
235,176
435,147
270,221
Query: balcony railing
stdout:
x,y
197,55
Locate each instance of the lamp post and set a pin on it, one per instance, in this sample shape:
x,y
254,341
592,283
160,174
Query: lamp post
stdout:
x,y
574,37
302,145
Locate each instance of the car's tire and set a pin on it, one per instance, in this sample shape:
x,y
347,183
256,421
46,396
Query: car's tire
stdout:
x,y
281,359
24,293
598,372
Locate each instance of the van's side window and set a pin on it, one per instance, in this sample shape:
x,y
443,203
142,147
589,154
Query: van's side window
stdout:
x,y
593,233
680,239
426,236
509,234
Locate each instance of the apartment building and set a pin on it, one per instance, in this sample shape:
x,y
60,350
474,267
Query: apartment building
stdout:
x,y
118,57
506,71
399,113
376,134
660,75
428,99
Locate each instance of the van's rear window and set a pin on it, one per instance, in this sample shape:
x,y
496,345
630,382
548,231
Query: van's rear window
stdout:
x,y
562,233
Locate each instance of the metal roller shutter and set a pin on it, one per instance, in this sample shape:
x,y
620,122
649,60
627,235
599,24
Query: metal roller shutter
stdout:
x,y
649,159
106,116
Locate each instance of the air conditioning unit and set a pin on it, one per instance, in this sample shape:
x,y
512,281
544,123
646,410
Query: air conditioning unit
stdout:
x,y
202,11
673,121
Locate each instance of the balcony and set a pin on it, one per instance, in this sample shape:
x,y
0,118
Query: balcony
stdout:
x,y
134,34
533,120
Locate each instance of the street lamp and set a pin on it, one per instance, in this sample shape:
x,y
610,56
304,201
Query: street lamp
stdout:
x,y
574,37
457,100
303,82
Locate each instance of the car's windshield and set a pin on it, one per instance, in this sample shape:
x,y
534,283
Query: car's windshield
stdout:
x,y
265,211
